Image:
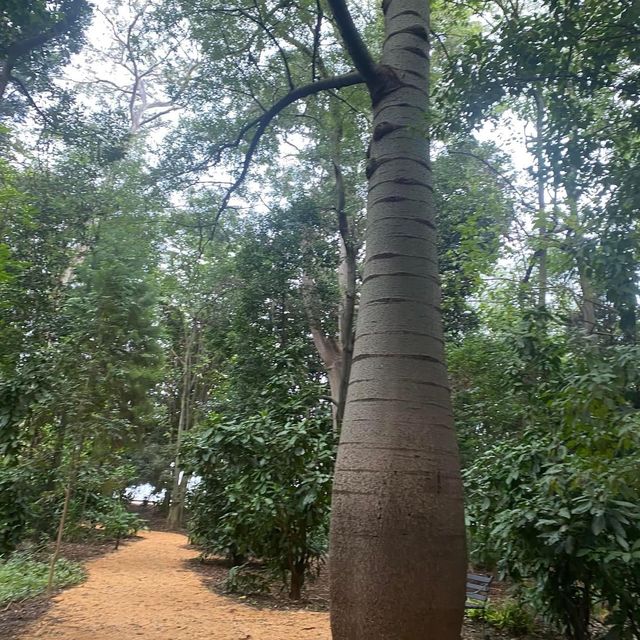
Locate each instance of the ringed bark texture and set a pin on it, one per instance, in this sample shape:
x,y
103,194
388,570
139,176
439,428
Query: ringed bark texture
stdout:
x,y
397,553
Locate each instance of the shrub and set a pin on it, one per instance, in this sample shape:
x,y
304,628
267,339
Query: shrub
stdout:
x,y
23,576
558,502
13,508
566,526
116,522
265,489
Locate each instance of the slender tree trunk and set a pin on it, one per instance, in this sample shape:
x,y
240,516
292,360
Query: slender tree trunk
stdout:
x,y
543,276
63,517
589,297
180,498
297,580
175,505
398,555
347,286
336,354
328,349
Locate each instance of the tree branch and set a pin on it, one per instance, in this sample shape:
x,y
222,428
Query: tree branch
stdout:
x,y
353,42
25,92
497,173
316,40
264,121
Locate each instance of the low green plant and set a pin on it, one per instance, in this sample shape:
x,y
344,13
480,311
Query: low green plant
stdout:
x,y
23,576
508,615
244,581
117,523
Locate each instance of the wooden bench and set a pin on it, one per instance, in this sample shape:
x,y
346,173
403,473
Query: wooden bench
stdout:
x,y
477,591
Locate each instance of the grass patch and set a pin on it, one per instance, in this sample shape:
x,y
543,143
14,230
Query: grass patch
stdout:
x,y
22,576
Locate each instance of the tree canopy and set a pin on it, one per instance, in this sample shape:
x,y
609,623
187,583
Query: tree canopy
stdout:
x,y
261,256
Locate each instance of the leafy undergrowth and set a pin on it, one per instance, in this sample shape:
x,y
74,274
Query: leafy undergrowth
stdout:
x,y
23,576
18,614
506,615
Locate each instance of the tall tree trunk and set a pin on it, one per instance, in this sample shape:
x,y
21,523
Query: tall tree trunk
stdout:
x,y
5,73
543,276
589,297
328,349
336,354
58,450
588,306
180,500
347,287
397,554
175,505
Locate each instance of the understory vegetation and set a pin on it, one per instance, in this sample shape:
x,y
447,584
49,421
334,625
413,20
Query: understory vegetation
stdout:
x,y
23,576
219,231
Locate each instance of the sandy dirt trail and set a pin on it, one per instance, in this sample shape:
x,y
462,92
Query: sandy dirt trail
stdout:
x,y
145,591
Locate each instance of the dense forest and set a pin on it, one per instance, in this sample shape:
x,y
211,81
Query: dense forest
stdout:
x,y
344,287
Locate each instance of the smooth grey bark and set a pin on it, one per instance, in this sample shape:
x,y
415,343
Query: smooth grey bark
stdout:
x,y
328,347
336,352
347,288
588,306
142,70
589,297
397,548
5,75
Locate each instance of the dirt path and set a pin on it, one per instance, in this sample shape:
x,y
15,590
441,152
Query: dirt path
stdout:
x,y
146,592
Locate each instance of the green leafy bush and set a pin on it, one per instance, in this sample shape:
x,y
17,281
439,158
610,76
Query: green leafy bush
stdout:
x,y
560,506
23,576
265,486
116,522
558,502
13,509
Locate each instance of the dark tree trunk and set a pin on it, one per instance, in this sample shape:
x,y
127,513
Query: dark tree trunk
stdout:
x,y
297,579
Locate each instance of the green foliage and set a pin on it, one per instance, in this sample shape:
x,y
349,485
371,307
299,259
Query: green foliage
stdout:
x,y
559,503
98,507
115,521
266,479
484,407
23,576
474,214
37,38
509,615
104,282
14,508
